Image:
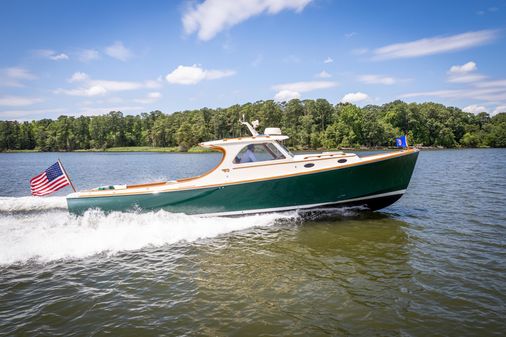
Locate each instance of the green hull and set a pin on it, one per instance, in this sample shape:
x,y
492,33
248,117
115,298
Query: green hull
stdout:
x,y
375,185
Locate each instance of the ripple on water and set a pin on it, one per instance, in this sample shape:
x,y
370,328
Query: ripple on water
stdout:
x,y
432,264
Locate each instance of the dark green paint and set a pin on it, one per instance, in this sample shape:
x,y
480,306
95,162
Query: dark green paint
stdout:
x,y
323,187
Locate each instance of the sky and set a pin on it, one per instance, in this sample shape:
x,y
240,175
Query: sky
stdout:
x,y
91,57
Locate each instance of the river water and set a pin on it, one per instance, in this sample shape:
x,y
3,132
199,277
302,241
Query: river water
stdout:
x,y
434,263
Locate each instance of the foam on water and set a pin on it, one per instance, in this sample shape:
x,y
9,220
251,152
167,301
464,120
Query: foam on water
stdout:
x,y
30,204
54,234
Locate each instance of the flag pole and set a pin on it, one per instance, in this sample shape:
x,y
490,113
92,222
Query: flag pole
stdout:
x,y
66,175
407,144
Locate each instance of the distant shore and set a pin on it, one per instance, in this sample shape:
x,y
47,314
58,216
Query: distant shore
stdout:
x,y
194,149
199,149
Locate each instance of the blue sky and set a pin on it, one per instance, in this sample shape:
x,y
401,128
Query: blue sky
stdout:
x,y
91,57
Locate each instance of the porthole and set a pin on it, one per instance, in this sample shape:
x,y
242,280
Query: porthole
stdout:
x,y
341,161
308,165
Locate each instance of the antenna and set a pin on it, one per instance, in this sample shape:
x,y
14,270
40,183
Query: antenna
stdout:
x,y
251,128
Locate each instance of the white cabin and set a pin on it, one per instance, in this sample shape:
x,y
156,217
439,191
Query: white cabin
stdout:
x,y
246,159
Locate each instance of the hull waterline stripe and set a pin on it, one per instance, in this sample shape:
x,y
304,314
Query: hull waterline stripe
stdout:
x,y
290,208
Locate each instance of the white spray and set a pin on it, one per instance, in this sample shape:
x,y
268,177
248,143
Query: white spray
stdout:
x,y
38,229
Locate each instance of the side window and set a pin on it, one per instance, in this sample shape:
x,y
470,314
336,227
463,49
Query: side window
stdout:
x,y
258,152
274,150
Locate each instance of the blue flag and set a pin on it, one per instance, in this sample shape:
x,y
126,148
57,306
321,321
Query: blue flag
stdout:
x,y
401,142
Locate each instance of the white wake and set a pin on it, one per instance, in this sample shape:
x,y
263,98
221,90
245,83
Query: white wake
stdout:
x,y
53,234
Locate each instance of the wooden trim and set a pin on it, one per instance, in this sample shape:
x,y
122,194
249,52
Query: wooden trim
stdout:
x,y
147,185
361,162
217,148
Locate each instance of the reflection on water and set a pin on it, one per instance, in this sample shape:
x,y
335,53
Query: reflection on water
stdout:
x,y
434,263
315,277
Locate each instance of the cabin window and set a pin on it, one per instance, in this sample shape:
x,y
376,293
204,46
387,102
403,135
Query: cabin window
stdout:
x,y
341,161
258,152
280,144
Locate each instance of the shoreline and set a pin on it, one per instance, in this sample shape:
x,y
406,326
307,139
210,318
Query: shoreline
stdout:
x,y
195,149
198,149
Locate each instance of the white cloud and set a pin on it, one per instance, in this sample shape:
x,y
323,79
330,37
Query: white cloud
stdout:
x,y
467,78
437,93
15,114
435,45
14,76
118,51
19,73
188,75
328,60
286,95
87,55
463,69
287,91
51,54
90,87
103,101
323,74
350,35
93,90
477,87
212,16
465,73
117,85
493,94
354,97
475,109
58,57
377,79
103,110
305,86
491,84
498,109
18,100
78,77
153,84
150,98
100,87
216,74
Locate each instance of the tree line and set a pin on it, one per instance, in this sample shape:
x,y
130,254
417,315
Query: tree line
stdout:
x,y
311,124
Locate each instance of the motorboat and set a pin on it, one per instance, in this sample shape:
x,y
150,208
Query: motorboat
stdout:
x,y
258,174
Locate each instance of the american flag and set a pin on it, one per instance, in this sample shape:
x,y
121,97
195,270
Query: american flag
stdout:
x,y
49,181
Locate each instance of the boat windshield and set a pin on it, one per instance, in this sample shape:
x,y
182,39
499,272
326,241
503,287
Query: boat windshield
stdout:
x,y
284,148
258,152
